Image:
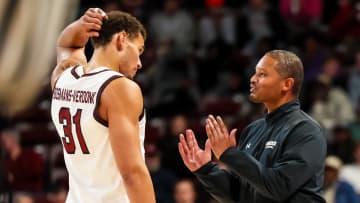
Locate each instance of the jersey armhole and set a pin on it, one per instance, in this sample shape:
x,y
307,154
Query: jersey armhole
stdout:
x,y
96,114
57,79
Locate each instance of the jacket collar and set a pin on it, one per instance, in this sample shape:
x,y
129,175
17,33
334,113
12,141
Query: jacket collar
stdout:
x,y
282,110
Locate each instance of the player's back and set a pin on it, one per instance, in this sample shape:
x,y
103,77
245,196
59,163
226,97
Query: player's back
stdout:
x,y
93,174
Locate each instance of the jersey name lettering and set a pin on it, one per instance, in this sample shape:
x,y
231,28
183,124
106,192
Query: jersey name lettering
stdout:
x,y
78,96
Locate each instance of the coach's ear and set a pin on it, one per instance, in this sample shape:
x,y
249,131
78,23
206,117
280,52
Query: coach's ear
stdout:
x,y
288,84
121,40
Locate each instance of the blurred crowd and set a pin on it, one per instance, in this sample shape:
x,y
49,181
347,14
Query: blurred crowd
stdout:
x,y
199,57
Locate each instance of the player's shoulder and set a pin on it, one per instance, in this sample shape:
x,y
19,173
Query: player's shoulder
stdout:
x,y
124,84
124,89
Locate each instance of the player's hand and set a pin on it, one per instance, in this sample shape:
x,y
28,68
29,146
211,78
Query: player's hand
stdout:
x,y
218,135
92,21
193,156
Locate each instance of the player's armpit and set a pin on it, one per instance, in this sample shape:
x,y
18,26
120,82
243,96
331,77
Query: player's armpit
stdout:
x,y
61,67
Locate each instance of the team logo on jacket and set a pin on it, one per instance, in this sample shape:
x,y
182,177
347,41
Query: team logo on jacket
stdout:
x,y
270,144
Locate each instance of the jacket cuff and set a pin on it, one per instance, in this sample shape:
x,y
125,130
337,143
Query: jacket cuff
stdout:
x,y
227,155
205,169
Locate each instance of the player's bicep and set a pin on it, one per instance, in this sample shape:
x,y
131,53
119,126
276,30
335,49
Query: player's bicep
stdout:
x,y
123,102
125,143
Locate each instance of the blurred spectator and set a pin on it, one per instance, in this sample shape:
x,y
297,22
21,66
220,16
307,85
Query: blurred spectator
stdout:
x,y
351,172
24,167
346,21
172,28
22,197
185,191
137,8
168,145
57,193
258,21
337,191
331,105
355,126
313,54
211,65
163,179
217,25
329,10
342,145
174,86
354,80
229,84
333,72
302,12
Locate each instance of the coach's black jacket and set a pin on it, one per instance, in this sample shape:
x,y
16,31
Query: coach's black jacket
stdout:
x,y
279,158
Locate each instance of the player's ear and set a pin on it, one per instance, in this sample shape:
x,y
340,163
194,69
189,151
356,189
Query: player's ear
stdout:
x,y
121,40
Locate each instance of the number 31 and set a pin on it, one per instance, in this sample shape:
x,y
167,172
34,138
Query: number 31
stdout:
x,y
68,141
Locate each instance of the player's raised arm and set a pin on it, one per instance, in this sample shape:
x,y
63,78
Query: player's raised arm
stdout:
x,y
72,40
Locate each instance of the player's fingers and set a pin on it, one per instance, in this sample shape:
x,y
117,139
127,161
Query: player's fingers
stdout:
x,y
93,34
89,19
93,26
92,13
101,12
96,13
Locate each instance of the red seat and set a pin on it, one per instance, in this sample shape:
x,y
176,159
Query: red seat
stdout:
x,y
221,107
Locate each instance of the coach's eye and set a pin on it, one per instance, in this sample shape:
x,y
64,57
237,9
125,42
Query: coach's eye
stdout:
x,y
261,74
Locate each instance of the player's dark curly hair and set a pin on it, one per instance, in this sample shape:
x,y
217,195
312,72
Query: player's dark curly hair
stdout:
x,y
118,21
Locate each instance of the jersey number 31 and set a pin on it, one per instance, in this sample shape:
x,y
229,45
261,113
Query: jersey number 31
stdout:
x,y
67,121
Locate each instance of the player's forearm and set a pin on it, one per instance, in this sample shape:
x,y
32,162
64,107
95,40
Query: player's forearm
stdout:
x,y
73,36
139,185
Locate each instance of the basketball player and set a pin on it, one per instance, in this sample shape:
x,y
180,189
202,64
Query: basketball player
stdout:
x,y
98,110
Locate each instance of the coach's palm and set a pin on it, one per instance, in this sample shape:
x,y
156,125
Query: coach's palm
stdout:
x,y
193,156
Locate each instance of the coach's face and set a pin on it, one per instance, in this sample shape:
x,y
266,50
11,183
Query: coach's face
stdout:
x,y
266,83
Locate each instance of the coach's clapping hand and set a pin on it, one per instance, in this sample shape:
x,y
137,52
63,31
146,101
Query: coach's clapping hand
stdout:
x,y
193,156
218,135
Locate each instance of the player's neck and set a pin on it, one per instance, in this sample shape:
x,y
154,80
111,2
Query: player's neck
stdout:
x,y
102,57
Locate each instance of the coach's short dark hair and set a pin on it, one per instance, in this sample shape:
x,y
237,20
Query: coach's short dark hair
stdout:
x,y
118,21
289,66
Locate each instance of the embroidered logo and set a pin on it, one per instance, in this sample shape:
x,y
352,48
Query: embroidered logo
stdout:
x,y
248,146
270,144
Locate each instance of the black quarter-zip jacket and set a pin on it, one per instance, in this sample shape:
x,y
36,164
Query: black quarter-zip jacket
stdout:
x,y
279,158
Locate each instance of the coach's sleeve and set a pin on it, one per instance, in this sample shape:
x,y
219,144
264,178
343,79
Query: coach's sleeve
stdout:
x,y
219,183
302,157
